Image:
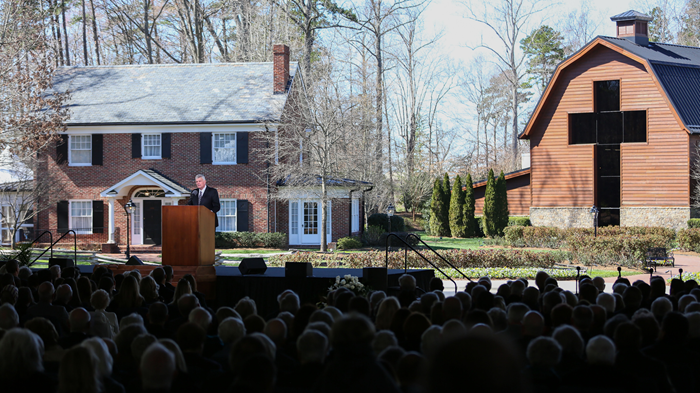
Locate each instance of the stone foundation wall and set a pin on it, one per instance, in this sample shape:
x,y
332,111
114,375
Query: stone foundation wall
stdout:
x,y
669,217
561,217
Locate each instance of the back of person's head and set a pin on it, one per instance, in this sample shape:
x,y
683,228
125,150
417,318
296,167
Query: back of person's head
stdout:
x,y
611,324
45,292
496,369
319,326
186,304
200,317
158,275
499,319
516,312
407,282
78,371
561,314
352,331
382,340
693,324
312,347
477,316
435,284
157,313
426,301
533,324
375,298
632,297
677,287
131,319
466,300
582,318
569,339
628,336
8,317
106,284
102,356
124,339
245,307
226,312
12,267
414,326
530,297
289,301
607,301
544,352
431,339
44,329
79,320
360,305
190,337
99,299
245,348
452,308
139,345
254,323
649,326
660,307
168,272
157,368
453,329
276,330
684,301
588,292
385,313
410,369
675,327
600,351
321,316
231,329
257,374
21,353
599,283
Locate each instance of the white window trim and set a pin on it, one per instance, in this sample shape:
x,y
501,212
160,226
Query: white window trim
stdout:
x,y
355,215
70,154
235,151
235,217
70,216
143,148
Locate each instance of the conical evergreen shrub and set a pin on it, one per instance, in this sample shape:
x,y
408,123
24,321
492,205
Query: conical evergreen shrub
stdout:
x,y
457,226
501,204
446,197
490,207
469,204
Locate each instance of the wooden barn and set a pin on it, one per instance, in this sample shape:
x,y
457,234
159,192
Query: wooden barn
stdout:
x,y
617,128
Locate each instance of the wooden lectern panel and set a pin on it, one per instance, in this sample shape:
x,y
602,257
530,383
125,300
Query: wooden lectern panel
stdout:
x,y
188,236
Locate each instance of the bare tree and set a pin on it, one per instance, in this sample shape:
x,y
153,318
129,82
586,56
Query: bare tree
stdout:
x,y
508,20
579,27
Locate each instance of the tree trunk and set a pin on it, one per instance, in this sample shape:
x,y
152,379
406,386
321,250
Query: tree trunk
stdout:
x,y
94,32
324,211
85,47
65,30
379,99
147,32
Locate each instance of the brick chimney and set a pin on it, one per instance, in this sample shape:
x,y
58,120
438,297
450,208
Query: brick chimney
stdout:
x,y
633,25
281,68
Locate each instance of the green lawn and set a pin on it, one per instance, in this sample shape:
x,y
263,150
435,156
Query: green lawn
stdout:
x,y
249,251
447,243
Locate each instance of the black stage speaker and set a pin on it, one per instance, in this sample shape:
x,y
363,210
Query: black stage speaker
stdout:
x,y
62,262
298,269
134,261
252,266
375,278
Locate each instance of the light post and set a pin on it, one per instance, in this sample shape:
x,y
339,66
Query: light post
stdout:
x,y
390,210
594,214
129,208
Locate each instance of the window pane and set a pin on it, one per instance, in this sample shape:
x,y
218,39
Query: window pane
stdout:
x,y
610,128
151,145
295,217
582,128
227,216
608,160
609,192
607,96
137,218
224,147
81,216
80,149
635,126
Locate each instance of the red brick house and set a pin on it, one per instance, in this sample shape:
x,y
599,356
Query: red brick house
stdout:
x,y
142,133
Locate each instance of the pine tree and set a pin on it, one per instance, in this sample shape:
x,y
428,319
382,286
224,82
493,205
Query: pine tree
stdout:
x,y
457,226
470,224
490,218
437,224
446,198
501,204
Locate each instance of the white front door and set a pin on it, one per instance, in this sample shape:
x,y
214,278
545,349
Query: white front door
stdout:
x,y
310,230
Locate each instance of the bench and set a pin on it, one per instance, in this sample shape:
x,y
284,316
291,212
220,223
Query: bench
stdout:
x,y
658,256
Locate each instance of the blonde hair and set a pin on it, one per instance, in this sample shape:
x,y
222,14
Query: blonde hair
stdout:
x,y
183,288
78,372
128,295
149,289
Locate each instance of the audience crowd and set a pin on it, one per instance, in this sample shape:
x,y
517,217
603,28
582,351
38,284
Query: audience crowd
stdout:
x,y
62,332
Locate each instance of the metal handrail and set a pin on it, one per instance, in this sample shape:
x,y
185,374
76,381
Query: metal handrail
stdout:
x,y
47,249
75,246
405,268
438,255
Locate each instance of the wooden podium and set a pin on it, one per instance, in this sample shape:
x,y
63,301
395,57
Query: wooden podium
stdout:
x,y
188,236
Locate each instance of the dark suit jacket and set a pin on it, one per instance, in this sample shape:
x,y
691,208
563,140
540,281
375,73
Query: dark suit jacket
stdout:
x,y
210,200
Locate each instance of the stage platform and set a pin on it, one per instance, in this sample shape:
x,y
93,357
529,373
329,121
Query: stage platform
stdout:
x,y
231,285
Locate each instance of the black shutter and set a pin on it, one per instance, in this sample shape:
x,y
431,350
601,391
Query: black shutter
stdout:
x,y
97,149
135,145
62,216
165,147
98,217
242,148
205,147
62,150
241,215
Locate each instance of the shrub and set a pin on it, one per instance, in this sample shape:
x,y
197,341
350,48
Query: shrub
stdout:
x,y
250,240
371,235
470,222
689,239
490,210
623,249
501,204
519,222
438,226
457,226
381,220
694,223
446,197
514,236
348,243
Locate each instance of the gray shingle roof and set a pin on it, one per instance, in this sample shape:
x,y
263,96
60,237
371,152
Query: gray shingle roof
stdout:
x,y
678,70
172,94
167,181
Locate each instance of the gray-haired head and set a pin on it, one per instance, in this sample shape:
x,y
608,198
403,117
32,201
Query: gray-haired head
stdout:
x,y
200,176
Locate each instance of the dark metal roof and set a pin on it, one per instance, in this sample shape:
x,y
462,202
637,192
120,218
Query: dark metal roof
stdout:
x,y
657,52
508,176
316,181
171,94
630,15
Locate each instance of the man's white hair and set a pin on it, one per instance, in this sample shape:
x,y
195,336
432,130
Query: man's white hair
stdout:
x,y
601,350
8,317
157,367
660,307
231,329
312,346
200,176
607,301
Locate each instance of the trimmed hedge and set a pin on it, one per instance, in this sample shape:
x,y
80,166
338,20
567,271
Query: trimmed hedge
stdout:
x,y
689,239
694,223
551,237
461,259
381,220
250,240
519,221
348,243
626,250
372,235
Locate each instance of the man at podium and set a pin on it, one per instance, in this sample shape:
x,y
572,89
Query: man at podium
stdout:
x,y
205,196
